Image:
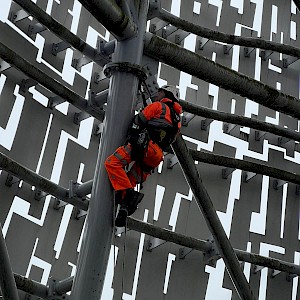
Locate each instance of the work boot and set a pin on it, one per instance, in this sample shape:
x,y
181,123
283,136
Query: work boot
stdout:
x,y
132,199
122,214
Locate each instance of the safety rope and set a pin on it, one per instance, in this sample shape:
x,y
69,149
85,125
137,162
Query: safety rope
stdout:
x,y
124,254
142,83
114,234
124,247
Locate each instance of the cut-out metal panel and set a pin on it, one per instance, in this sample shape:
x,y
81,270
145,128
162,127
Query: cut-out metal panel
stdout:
x,y
260,214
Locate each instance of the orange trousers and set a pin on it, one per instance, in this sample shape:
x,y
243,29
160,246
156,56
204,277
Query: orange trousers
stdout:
x,y
116,164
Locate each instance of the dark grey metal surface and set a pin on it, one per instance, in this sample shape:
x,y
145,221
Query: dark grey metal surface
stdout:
x,y
7,282
255,216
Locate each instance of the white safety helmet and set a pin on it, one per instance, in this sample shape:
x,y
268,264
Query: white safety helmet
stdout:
x,y
172,89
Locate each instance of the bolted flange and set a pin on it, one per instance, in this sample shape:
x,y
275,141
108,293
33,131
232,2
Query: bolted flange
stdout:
x,y
127,67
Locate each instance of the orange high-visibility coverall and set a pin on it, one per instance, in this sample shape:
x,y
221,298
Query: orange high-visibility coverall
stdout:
x,y
116,163
158,114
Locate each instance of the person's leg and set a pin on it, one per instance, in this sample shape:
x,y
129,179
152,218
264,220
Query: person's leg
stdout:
x,y
115,166
139,173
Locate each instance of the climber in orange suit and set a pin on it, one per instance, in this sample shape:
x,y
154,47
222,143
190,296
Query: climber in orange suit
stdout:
x,y
153,130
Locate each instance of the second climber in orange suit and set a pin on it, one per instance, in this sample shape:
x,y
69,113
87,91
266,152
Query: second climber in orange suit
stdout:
x,y
153,131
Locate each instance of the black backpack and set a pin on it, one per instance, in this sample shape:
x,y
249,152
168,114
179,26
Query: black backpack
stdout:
x,y
165,136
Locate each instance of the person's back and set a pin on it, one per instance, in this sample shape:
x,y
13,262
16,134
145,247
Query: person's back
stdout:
x,y
162,118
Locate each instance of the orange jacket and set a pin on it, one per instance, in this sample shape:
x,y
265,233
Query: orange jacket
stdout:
x,y
159,113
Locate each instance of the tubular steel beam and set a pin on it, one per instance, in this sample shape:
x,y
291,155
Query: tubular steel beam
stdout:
x,y
61,31
84,189
214,224
204,246
271,263
226,78
30,286
224,161
112,17
64,286
239,120
90,52
7,281
49,187
228,38
96,245
48,82
35,288
40,182
167,235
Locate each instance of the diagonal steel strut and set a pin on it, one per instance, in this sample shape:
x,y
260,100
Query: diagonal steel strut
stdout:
x,y
7,282
205,204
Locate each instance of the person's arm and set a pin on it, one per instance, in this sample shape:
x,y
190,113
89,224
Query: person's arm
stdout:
x,y
147,114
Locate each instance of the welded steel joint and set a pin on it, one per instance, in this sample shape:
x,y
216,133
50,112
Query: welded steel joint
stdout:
x,y
212,255
126,67
72,191
52,292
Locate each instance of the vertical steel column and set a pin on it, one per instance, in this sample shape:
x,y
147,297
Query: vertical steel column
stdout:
x,y
7,280
94,253
214,224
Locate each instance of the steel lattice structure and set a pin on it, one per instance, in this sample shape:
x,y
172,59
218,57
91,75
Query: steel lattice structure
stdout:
x,y
225,202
